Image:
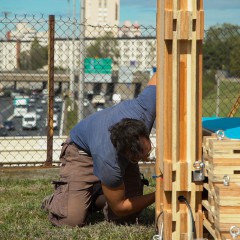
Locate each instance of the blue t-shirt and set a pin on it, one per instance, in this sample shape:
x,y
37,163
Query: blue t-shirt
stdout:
x,y
92,134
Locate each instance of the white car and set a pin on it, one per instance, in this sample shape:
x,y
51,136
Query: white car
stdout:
x,y
86,102
29,121
39,109
55,121
58,99
44,100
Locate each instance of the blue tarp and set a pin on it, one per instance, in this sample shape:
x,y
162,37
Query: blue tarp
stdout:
x,y
230,126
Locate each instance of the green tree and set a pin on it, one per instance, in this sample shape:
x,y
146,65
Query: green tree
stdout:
x,y
234,63
34,59
104,47
221,49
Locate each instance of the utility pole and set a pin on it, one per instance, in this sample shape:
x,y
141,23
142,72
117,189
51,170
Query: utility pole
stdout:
x,y
72,60
82,57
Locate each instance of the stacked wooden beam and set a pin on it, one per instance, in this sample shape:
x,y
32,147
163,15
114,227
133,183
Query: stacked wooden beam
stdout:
x,y
222,206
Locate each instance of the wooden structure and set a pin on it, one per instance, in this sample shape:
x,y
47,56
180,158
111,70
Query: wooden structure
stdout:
x,y
180,31
222,204
234,107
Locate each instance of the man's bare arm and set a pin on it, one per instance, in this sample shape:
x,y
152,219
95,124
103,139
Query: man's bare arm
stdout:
x,y
153,80
123,206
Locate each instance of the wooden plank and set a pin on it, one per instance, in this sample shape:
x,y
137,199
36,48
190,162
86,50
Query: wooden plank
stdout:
x,y
228,218
159,111
184,25
175,99
219,178
228,209
182,182
168,115
200,25
223,227
182,108
168,28
222,170
221,161
210,228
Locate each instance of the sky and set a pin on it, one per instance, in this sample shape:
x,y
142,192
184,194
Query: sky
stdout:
x,y
141,11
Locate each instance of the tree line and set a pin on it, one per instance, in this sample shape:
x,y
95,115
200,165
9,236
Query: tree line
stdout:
x,y
221,52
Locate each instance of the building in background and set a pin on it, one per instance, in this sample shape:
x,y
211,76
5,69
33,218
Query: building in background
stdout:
x,y
24,32
130,30
101,16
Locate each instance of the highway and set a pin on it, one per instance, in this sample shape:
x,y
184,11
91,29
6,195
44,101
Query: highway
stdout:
x,y
21,147
6,110
6,113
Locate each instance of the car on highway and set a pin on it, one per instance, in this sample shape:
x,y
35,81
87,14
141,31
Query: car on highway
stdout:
x,y
56,108
55,121
9,125
3,132
32,99
99,107
86,102
44,99
39,109
57,99
29,121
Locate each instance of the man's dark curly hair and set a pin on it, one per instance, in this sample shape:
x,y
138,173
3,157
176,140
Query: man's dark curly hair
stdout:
x,y
125,136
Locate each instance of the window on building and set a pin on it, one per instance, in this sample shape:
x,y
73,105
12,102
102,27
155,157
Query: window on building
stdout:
x,y
99,3
105,3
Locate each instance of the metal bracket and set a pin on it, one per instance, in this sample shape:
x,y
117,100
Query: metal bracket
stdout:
x,y
220,134
226,180
234,231
198,173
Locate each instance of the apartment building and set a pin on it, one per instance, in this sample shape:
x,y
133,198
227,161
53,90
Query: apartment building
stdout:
x,y
137,53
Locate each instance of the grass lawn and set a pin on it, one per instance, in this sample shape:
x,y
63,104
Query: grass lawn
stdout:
x,y
22,218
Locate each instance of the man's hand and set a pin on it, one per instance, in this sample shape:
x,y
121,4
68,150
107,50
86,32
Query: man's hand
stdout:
x,y
123,206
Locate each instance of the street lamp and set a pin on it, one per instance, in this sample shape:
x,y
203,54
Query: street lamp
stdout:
x,y
81,60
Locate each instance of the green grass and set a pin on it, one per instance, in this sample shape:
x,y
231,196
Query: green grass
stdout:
x,y
228,93
22,218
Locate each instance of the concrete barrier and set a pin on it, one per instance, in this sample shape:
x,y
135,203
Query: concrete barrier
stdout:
x,y
32,150
28,151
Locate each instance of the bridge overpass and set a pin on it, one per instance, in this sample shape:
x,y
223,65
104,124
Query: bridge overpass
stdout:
x,y
32,77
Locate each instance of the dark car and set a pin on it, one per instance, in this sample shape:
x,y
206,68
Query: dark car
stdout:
x,y
3,132
56,108
9,125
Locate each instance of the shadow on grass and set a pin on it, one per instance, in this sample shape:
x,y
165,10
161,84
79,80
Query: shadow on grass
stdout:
x,y
146,218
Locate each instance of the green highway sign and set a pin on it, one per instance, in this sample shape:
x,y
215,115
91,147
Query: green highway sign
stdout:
x,y
98,65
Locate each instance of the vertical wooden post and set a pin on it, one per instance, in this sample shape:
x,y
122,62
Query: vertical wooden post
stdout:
x,y
180,31
50,90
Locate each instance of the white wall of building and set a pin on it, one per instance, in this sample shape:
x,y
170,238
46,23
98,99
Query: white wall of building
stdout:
x,y
137,53
101,13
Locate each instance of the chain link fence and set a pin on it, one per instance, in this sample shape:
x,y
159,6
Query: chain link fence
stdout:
x,y
221,71
94,68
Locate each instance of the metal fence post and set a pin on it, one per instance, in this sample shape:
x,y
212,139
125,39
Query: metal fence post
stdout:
x,y
50,90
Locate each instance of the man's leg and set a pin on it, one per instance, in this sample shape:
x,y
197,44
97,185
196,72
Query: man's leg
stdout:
x,y
73,194
77,205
